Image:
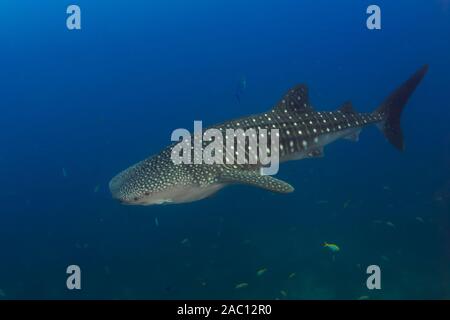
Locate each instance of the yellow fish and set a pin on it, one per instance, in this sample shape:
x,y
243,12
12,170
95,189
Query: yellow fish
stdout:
x,y
333,247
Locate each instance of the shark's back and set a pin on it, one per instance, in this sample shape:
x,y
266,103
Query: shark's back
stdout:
x,y
301,131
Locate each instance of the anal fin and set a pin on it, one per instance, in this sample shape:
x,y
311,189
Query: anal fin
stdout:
x,y
354,136
254,178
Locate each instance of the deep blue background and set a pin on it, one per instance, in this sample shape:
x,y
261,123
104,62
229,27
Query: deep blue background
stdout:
x,y
94,101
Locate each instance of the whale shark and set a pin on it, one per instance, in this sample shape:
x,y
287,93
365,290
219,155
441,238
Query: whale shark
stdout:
x,y
302,132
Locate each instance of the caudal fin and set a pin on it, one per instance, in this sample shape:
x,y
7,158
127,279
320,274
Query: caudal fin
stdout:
x,y
391,109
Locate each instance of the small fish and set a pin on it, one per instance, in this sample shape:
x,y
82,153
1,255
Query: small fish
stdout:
x,y
420,219
260,272
64,172
390,224
333,247
2,293
156,222
346,203
97,187
386,188
241,285
363,298
185,242
283,293
385,258
169,289
322,202
243,82
292,275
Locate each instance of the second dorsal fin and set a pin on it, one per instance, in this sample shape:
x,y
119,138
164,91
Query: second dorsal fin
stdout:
x,y
296,100
347,107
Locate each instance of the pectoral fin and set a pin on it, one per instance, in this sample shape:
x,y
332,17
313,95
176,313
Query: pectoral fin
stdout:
x,y
254,178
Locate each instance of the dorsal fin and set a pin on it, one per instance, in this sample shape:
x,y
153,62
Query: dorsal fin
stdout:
x,y
347,107
296,99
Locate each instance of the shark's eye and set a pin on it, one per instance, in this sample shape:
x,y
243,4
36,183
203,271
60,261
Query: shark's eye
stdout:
x,y
135,198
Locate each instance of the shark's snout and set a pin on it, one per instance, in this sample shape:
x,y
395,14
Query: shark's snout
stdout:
x,y
135,186
121,190
158,181
114,188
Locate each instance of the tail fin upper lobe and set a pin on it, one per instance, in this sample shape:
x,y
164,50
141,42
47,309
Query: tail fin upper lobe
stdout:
x,y
391,109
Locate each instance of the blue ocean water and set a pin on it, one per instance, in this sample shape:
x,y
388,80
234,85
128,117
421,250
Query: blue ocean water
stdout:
x,y
79,106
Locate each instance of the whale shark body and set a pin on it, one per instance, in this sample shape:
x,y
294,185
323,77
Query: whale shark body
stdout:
x,y
302,132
